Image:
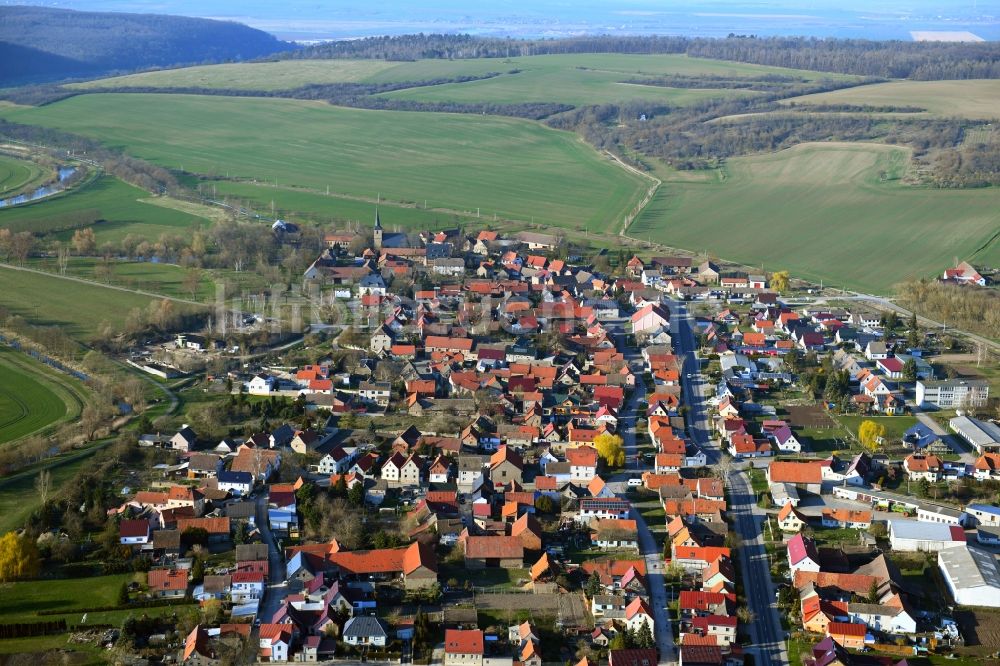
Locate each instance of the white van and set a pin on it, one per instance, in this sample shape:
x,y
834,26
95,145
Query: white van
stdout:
x,y
634,482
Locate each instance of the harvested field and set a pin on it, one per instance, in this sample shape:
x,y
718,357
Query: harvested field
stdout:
x,y
809,416
980,628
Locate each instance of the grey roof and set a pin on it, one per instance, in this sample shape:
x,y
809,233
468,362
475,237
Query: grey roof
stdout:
x,y
969,567
874,609
251,551
978,433
363,626
923,531
951,383
241,510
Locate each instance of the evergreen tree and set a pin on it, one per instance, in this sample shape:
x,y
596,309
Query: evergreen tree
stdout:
x,y
644,637
593,587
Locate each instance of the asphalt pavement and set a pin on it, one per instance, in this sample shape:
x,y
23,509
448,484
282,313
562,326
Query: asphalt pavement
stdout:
x,y
767,635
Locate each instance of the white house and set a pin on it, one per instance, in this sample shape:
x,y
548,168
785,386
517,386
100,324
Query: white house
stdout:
x,y
786,441
275,642
377,393
878,617
247,586
583,463
261,385
237,483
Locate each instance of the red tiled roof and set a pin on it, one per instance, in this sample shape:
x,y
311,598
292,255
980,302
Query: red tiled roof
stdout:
x,y
468,641
795,472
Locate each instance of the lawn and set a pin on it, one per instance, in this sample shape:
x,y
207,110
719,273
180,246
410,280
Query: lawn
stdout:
x,y
820,211
108,199
514,168
79,308
977,99
895,426
585,78
17,176
31,397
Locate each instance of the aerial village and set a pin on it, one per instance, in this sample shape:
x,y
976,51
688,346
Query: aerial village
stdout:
x,y
527,460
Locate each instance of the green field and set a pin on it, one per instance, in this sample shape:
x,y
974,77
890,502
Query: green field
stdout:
x,y
979,99
118,204
820,211
79,308
333,210
514,168
30,400
17,176
17,494
583,78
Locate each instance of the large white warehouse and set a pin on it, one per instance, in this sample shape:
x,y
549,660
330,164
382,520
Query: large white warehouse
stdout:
x,y
972,576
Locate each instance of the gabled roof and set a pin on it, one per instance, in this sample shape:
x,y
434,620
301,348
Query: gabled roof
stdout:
x,y
801,547
467,641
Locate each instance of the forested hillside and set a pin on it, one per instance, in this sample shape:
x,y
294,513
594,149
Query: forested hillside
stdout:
x,y
887,59
44,44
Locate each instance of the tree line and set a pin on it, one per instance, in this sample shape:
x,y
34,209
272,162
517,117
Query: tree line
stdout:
x,y
888,59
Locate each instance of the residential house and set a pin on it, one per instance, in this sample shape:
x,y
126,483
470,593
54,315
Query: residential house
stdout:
x,y
790,520
464,647
365,630
854,519
167,583
923,466
802,554
275,642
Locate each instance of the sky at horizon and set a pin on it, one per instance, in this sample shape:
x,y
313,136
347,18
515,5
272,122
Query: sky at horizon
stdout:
x,y
309,20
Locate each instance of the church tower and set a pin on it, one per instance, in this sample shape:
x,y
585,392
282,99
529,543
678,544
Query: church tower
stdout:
x,y
378,231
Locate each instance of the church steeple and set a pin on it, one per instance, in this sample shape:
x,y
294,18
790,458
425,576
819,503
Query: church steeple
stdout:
x,y
378,230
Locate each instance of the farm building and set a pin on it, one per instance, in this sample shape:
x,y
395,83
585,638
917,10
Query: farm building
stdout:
x,y
914,535
971,575
982,435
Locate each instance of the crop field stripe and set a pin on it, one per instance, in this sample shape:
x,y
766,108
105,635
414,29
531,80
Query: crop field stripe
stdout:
x,y
287,74
970,98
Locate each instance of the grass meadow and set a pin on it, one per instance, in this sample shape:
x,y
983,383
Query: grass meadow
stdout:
x,y
822,212
30,397
118,205
977,99
514,168
79,308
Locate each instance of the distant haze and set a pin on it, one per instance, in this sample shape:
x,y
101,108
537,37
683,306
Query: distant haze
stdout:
x,y
307,20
